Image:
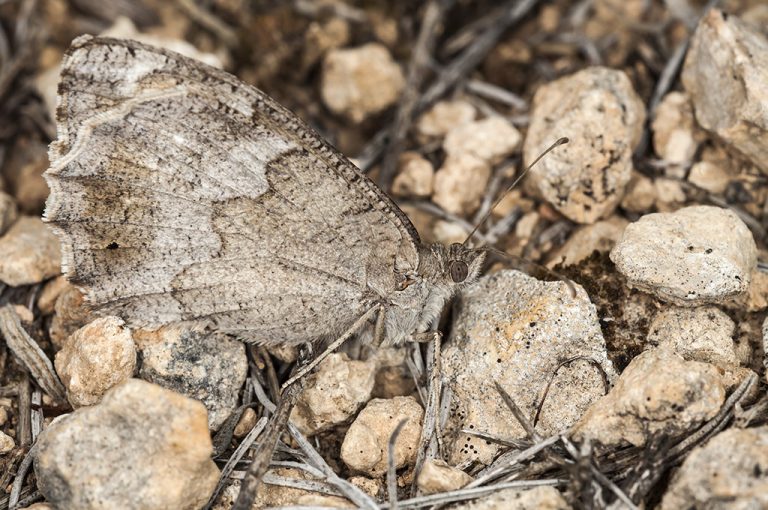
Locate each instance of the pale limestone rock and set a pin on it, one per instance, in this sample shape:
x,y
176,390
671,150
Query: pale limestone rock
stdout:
x,y
491,139
415,176
445,116
448,232
142,447
208,366
8,212
6,443
704,333
322,36
29,253
370,486
698,254
95,359
514,330
600,236
360,82
72,313
245,423
525,227
727,472
598,110
46,301
3,415
437,476
640,195
334,393
673,127
365,445
460,183
709,176
538,498
725,73
669,194
658,392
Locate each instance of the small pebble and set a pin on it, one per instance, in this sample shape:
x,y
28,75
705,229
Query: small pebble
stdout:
x,y
538,498
640,195
71,314
370,486
704,333
50,292
673,127
640,405
334,393
360,82
445,116
246,422
491,139
6,443
437,476
726,472
365,446
600,236
460,183
709,176
725,72
3,415
8,212
141,447
96,358
698,254
322,36
669,194
448,232
29,253
208,366
602,115
415,176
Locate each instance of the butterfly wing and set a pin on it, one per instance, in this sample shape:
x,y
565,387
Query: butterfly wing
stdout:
x,y
180,193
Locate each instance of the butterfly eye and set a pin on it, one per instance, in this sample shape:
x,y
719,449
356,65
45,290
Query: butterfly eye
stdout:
x,y
459,270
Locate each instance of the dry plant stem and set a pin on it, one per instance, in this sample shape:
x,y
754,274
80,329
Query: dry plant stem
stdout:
x,y
432,408
471,493
391,468
24,433
209,22
496,93
495,472
30,354
431,27
18,482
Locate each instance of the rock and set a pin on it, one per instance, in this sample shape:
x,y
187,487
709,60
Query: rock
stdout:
x,y
460,183
703,333
142,447
726,472
538,498
600,236
725,73
8,212
334,393
208,366
29,253
640,195
360,82
393,379
491,139
246,422
415,176
709,176
673,126
3,415
95,359
46,301
322,36
39,506
370,486
757,294
449,232
437,476
516,331
658,392
365,446
72,313
698,254
445,116
598,110
669,194
6,443
29,187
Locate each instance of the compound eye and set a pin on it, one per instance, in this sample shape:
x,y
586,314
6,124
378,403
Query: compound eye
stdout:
x,y
459,270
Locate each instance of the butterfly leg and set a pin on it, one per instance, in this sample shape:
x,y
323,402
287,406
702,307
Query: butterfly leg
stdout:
x,y
358,324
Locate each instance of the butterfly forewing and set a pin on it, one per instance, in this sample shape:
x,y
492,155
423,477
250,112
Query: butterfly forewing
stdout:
x,y
180,193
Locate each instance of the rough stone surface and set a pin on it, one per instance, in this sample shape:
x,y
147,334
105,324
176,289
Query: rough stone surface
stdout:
x,y
709,176
365,445
143,447
8,212
72,313
96,358
727,472
491,139
640,194
335,392
538,498
725,73
437,476
658,392
208,366
512,329
699,254
6,443
245,423
600,236
673,126
701,334
445,116
460,183
29,253
601,114
50,293
362,81
415,177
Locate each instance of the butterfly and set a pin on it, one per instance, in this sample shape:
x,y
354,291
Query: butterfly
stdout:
x,y
180,193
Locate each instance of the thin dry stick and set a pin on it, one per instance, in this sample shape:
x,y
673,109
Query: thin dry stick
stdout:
x,y
425,43
209,22
429,425
21,474
391,473
24,432
444,498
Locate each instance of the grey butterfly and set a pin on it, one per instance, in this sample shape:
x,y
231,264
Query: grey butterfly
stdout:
x,y
180,193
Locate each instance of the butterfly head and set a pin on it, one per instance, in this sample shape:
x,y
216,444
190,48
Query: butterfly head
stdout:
x,y
462,265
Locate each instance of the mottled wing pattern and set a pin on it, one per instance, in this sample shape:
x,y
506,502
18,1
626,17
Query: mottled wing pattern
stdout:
x,y
180,193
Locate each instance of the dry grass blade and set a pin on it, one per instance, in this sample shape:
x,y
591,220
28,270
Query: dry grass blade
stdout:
x,y
18,482
30,354
209,22
391,472
432,407
464,494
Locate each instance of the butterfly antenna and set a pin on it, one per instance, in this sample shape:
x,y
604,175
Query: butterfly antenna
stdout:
x,y
512,258
558,143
